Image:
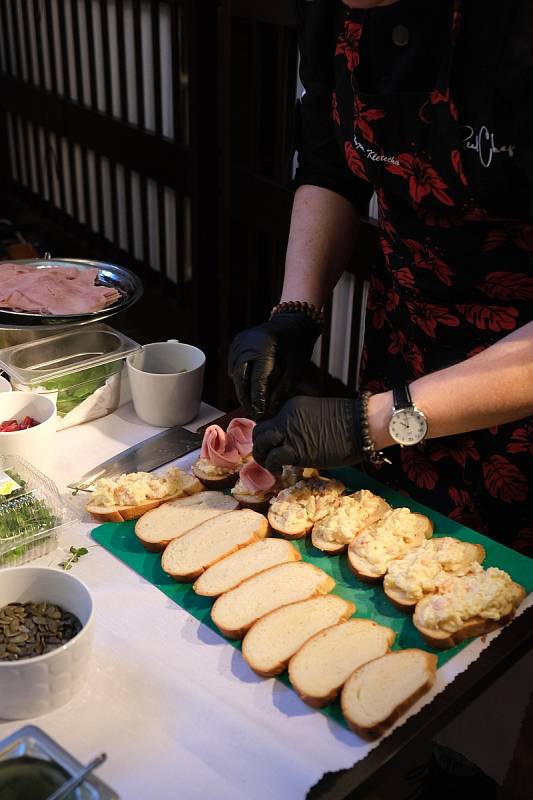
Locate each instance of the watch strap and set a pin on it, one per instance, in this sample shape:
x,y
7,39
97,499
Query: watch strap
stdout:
x,y
402,396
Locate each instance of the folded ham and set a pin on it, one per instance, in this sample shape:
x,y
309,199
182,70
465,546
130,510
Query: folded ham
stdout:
x,y
53,291
255,479
219,448
240,429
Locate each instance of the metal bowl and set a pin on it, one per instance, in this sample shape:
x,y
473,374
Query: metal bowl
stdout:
x,y
125,282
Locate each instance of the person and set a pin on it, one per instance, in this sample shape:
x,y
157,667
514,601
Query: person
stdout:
x,y
429,106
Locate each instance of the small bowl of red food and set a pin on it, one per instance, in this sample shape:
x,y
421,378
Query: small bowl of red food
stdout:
x,y
28,427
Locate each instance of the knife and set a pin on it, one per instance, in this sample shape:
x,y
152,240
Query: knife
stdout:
x,y
143,457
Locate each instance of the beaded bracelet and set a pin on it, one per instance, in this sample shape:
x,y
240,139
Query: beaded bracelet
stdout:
x,y
308,309
369,449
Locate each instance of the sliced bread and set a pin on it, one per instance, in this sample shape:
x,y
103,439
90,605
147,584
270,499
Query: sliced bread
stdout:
x,y
273,639
394,535
321,666
236,611
238,567
158,527
467,606
105,511
216,478
379,692
420,571
186,557
294,510
352,513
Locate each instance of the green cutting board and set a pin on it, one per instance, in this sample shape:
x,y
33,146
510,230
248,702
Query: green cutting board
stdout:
x,y
370,600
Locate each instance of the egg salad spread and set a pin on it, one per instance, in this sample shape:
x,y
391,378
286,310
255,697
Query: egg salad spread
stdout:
x,y
349,516
135,488
397,532
486,594
421,571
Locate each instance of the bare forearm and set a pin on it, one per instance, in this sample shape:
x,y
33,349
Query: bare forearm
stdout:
x,y
321,241
491,388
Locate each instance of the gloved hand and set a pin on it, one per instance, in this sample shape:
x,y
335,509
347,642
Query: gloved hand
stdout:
x,y
310,431
266,362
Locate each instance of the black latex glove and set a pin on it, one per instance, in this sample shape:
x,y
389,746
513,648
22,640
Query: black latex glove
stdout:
x,y
266,362
310,431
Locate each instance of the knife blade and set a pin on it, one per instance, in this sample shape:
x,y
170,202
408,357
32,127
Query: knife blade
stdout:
x,y
143,457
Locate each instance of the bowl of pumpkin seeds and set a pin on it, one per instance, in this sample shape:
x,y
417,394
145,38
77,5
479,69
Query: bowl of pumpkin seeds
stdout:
x,y
46,630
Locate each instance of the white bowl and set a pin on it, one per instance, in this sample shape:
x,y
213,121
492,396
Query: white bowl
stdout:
x,y
36,444
34,686
5,385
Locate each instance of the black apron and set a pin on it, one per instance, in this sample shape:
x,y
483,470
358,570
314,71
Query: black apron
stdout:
x,y
456,272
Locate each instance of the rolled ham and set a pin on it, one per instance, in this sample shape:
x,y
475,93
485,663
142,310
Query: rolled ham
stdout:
x,y
219,448
240,429
255,478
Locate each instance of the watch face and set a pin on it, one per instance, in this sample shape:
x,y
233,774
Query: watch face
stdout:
x,y
408,426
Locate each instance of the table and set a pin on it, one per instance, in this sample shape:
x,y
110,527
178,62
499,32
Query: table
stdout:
x,y
179,712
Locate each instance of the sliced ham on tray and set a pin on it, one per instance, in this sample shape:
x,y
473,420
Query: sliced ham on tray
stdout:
x,y
53,291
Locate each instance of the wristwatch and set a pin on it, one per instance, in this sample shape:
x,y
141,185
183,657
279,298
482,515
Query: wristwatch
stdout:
x,y
408,425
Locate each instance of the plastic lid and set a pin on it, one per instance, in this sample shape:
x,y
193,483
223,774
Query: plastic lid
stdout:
x,y
41,360
30,507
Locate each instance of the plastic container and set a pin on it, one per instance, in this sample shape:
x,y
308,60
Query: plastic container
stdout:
x,y
32,512
80,369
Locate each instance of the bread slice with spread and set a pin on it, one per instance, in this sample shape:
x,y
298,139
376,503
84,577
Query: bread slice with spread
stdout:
x,y
223,453
467,606
351,514
157,528
381,691
394,535
295,510
235,612
131,495
421,571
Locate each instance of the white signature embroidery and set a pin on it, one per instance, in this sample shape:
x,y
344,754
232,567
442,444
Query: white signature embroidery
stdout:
x,y
372,154
484,144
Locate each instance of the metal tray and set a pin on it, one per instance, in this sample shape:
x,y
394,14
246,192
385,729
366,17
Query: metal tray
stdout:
x,y
119,278
32,741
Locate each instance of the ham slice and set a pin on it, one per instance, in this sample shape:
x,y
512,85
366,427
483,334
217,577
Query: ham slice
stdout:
x,y
240,429
54,291
219,448
255,478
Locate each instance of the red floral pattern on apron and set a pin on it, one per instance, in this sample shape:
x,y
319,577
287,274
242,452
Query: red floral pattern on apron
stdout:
x,y
455,276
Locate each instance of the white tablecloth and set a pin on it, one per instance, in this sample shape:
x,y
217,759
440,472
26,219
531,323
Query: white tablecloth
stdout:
x,y
174,706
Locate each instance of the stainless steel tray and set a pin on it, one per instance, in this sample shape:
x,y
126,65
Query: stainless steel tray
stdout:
x,y
119,278
32,741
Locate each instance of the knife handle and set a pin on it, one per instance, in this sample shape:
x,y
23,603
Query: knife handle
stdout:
x,y
224,420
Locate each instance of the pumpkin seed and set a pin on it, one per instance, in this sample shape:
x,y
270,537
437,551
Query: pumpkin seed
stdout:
x,y
31,629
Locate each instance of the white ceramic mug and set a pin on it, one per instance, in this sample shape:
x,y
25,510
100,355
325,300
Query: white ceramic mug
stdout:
x,y
166,381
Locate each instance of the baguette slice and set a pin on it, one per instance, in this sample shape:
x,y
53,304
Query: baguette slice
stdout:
x,y
209,477
227,573
420,571
158,527
188,556
190,485
349,517
294,510
236,611
319,669
398,532
273,639
467,606
379,692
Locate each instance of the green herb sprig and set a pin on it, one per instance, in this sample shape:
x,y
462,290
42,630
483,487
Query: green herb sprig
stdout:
x,y
76,554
